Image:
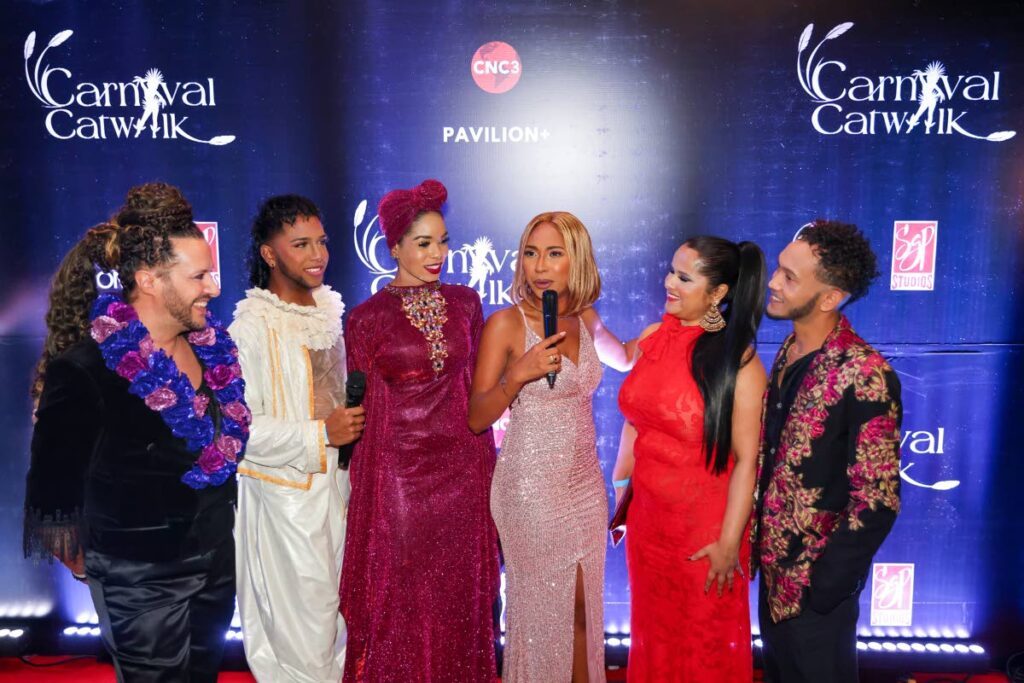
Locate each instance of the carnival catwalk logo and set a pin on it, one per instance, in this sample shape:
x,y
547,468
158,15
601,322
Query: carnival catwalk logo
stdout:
x,y
72,103
929,101
478,265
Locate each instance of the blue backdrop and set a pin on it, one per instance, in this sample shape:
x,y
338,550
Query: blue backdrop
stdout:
x,y
649,121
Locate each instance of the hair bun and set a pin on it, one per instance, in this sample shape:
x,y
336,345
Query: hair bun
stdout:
x,y
399,208
433,193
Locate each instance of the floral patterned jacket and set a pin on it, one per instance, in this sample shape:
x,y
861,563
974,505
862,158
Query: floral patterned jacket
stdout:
x,y
834,492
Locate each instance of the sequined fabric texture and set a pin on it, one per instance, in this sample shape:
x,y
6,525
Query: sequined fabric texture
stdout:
x,y
420,575
426,310
549,503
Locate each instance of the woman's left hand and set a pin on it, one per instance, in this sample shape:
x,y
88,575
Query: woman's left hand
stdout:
x,y
724,564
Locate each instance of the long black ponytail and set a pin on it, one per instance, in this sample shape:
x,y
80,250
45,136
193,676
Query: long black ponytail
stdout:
x,y
718,356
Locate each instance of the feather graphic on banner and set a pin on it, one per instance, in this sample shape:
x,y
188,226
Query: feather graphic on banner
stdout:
x,y
834,33
366,240
58,39
360,213
805,38
30,46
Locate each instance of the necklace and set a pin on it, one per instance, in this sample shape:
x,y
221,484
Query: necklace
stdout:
x,y
153,376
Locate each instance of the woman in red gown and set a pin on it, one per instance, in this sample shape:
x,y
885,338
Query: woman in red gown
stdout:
x,y
689,449
420,572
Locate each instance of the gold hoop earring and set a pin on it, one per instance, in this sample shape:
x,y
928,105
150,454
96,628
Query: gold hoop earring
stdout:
x,y
712,320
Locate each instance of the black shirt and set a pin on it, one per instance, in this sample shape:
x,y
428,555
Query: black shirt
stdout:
x,y
780,401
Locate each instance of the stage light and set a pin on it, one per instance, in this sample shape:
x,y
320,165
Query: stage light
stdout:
x,y
625,628
917,647
876,646
961,648
70,631
861,646
758,643
902,647
920,633
946,647
962,633
4,632
889,647
931,647
947,633
977,649
503,640
906,633
933,632
626,642
614,642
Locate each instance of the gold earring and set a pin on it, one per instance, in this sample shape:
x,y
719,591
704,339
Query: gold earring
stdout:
x,y
713,320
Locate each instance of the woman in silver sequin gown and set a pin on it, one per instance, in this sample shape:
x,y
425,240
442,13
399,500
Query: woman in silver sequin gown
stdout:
x,y
548,495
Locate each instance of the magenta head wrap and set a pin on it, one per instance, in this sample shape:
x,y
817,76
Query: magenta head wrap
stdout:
x,y
399,208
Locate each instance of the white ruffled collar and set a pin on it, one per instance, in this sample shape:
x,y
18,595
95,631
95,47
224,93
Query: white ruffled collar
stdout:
x,y
319,326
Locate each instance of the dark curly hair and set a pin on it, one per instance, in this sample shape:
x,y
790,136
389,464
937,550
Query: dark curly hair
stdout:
x,y
845,258
273,215
138,235
72,292
152,215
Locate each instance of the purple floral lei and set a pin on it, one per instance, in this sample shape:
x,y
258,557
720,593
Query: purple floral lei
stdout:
x,y
128,350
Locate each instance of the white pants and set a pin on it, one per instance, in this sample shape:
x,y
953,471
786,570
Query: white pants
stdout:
x,y
289,545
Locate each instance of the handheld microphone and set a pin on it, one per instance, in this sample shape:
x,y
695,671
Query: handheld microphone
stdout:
x,y
550,311
355,388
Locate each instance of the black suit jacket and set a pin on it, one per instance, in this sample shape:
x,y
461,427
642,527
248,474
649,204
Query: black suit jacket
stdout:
x,y
106,472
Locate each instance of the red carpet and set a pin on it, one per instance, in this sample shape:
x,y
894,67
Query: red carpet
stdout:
x,y
86,670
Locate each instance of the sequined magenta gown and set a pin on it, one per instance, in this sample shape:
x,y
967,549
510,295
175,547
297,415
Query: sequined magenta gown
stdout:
x,y
420,573
549,503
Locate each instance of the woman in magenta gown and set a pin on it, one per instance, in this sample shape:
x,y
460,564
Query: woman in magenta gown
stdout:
x,y
692,406
420,573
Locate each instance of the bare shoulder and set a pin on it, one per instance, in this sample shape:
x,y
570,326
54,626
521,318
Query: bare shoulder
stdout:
x,y
649,330
752,375
506,321
591,318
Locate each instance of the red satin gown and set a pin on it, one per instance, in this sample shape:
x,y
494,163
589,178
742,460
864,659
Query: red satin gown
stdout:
x,y
678,632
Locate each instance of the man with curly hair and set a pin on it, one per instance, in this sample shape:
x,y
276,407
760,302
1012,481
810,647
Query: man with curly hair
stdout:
x,y
829,471
141,421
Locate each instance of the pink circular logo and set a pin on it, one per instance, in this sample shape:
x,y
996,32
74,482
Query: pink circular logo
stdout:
x,y
496,67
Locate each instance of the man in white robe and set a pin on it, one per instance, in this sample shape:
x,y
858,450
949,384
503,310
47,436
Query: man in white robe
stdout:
x,y
290,528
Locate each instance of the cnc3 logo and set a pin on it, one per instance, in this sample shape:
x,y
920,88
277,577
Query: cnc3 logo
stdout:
x,y
66,100
929,88
477,265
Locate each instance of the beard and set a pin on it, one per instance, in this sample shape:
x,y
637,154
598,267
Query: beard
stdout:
x,y
798,312
181,310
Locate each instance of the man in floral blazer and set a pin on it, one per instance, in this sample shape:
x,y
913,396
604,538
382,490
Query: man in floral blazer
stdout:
x,y
829,473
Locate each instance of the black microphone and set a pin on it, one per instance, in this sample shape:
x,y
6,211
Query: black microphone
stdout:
x,y
550,310
355,388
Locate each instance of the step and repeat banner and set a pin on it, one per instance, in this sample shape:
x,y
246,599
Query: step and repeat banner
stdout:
x,y
650,121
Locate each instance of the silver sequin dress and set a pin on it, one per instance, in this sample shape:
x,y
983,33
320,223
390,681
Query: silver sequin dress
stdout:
x,y
548,502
